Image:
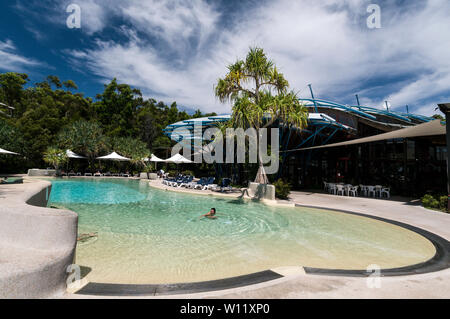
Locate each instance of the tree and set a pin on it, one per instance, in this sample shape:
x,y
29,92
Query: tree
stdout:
x,y
55,157
117,108
11,88
130,147
260,97
83,137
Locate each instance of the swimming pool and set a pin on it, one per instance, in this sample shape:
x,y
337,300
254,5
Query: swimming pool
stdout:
x,y
147,235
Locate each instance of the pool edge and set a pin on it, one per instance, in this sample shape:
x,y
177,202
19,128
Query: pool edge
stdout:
x,y
440,261
134,290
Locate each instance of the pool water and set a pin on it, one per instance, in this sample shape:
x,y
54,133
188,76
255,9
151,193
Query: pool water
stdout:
x,y
147,235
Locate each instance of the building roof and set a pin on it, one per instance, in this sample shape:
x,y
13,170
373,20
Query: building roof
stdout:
x,y
433,128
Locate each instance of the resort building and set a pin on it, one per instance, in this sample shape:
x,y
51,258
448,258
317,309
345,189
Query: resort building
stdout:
x,y
410,165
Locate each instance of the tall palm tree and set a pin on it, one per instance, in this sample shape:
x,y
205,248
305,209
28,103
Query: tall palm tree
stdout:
x,y
260,96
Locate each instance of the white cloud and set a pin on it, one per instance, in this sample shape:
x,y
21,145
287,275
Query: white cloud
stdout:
x,y
11,60
325,43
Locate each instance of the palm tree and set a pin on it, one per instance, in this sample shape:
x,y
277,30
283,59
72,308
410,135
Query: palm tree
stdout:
x,y
83,137
55,157
260,97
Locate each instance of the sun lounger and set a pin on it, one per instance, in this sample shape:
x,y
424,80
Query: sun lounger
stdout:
x,y
87,174
186,182
209,184
200,182
10,181
224,186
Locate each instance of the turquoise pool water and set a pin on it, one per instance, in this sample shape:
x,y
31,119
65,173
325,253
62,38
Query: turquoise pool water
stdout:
x,y
147,235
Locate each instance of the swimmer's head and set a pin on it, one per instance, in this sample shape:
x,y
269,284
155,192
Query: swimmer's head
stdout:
x,y
213,211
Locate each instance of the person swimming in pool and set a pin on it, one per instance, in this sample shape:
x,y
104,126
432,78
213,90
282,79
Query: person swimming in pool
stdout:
x,y
211,214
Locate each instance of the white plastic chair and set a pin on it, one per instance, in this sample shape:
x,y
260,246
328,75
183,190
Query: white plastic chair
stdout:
x,y
353,191
340,190
371,190
378,189
363,190
332,188
386,191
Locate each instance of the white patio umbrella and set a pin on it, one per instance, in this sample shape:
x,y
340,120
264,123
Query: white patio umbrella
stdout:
x,y
2,151
114,157
71,154
156,160
178,159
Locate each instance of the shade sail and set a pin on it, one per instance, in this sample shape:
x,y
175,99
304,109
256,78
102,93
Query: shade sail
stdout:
x,y
178,159
71,154
432,128
113,157
2,151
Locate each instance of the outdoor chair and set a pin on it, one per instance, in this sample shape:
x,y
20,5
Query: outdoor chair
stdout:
x,y
371,190
385,191
9,181
325,186
224,186
363,190
87,174
200,182
209,184
332,188
340,190
353,191
178,181
378,189
186,182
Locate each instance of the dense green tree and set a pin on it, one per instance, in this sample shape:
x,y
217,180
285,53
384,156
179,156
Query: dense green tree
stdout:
x,y
132,148
117,107
52,112
11,89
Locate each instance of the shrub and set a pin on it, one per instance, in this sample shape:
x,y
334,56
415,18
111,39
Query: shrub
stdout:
x,y
187,172
282,189
435,202
443,202
172,173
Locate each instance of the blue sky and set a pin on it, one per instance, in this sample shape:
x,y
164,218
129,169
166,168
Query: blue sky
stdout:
x,y
174,50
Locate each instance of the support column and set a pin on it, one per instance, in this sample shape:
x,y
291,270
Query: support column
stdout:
x,y
445,108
